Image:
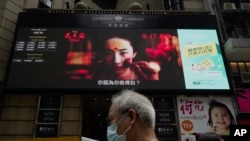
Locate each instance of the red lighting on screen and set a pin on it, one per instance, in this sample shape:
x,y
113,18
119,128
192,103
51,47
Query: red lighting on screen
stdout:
x,y
149,36
166,48
74,36
165,36
152,36
144,36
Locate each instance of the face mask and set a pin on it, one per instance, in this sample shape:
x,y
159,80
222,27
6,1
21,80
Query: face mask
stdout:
x,y
112,133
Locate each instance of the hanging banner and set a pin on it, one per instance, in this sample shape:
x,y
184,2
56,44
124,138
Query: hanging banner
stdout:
x,y
243,97
199,115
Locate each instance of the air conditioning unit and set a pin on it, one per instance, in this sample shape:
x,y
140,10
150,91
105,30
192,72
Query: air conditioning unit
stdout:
x,y
135,6
229,6
245,77
245,6
81,5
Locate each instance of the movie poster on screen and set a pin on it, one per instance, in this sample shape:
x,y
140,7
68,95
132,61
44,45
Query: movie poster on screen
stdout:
x,y
193,114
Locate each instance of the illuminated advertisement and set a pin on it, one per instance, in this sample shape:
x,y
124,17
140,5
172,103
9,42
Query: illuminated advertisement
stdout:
x,y
201,115
202,59
115,51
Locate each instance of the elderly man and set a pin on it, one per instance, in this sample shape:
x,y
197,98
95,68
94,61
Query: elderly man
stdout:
x,y
131,118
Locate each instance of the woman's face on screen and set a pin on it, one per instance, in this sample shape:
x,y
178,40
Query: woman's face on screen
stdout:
x,y
118,54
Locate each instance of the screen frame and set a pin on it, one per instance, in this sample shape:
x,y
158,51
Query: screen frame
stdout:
x,y
43,18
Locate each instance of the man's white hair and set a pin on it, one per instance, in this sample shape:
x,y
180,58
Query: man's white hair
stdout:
x,y
128,99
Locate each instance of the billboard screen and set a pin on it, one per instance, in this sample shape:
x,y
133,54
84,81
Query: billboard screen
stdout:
x,y
113,51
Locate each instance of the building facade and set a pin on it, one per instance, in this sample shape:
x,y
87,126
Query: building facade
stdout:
x,y
19,112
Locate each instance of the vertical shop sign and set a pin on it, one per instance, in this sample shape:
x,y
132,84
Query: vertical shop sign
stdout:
x,y
165,126
48,116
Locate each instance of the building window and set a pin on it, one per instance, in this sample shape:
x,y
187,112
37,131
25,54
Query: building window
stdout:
x,y
234,67
242,66
173,4
238,67
45,4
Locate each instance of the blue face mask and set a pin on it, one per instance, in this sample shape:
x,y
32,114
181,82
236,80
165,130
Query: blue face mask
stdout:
x,y
112,133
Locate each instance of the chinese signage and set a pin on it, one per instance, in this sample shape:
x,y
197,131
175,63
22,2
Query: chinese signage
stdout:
x,y
202,59
199,115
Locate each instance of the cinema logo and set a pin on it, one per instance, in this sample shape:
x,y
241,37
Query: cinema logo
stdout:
x,y
240,132
118,18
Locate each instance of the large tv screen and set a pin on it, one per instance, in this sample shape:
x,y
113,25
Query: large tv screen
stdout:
x,y
92,50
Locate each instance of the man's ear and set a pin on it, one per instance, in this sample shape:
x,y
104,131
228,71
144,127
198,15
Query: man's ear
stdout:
x,y
133,116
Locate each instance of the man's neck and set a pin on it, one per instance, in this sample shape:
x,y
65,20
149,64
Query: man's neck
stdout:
x,y
143,134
